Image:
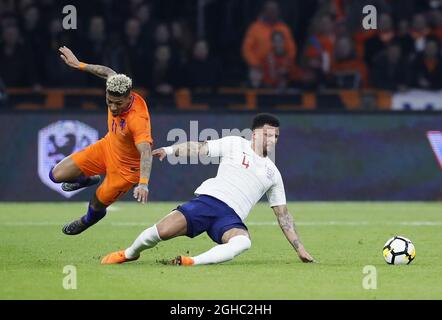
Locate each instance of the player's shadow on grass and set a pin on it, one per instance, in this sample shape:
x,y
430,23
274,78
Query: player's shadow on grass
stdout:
x,y
254,262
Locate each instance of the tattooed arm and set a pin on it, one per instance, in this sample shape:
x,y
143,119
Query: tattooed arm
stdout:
x,y
186,149
141,191
100,71
287,225
71,60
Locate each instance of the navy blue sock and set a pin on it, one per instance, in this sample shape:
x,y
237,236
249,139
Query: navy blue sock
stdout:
x,y
83,180
92,216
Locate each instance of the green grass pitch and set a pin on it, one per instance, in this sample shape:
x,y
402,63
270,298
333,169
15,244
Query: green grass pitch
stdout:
x,y
343,236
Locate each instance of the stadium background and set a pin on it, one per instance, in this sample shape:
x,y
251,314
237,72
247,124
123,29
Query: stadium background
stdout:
x,y
322,157
355,105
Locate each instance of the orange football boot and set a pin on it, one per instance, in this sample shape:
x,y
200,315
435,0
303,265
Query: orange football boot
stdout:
x,y
116,257
182,261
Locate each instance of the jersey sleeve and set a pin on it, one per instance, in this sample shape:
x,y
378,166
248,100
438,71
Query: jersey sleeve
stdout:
x,y
276,193
222,147
140,128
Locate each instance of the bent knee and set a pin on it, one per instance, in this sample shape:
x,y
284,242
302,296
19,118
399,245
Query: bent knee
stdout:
x,y
163,231
166,232
60,173
56,175
65,171
171,226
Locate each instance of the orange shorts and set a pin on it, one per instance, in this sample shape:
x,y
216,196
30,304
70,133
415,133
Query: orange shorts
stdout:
x,y
94,160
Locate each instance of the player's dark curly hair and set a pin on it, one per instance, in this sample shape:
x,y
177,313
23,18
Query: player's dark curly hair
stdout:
x,y
264,118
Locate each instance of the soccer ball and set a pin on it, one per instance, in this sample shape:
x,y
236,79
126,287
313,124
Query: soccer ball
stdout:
x,y
399,250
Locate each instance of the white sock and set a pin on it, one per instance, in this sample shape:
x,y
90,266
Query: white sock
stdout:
x,y
146,240
224,252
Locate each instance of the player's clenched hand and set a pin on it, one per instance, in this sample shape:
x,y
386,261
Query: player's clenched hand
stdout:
x,y
68,57
141,192
304,255
160,153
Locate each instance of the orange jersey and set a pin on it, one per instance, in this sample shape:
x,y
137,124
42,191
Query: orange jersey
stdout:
x,y
125,132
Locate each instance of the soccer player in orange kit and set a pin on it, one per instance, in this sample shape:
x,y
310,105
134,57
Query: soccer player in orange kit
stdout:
x,y
124,155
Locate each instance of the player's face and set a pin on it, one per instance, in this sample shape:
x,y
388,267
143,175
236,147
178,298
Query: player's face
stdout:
x,y
266,137
117,104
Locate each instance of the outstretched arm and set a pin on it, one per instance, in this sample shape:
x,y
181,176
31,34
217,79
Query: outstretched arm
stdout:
x,y
141,191
71,60
186,149
287,225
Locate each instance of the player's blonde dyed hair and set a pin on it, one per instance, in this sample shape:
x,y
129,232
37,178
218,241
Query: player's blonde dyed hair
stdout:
x,y
119,84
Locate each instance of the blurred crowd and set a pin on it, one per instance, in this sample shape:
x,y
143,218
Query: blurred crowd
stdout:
x,y
403,52
165,45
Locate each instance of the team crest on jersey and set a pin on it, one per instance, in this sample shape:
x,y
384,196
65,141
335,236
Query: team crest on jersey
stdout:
x,y
122,126
57,141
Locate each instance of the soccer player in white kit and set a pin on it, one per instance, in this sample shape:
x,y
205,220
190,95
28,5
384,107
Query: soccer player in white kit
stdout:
x,y
245,173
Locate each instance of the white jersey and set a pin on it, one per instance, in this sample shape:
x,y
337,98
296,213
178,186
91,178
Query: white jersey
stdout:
x,y
243,177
